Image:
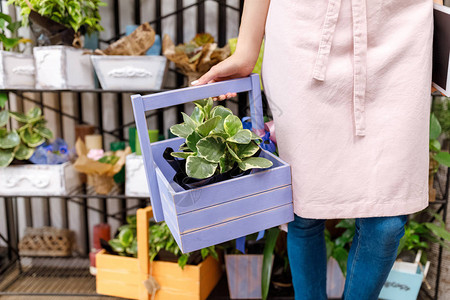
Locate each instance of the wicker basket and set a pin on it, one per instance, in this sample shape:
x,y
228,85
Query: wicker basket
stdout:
x,y
47,241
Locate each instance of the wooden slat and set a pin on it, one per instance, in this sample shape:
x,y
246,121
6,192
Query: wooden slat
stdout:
x,y
228,231
235,209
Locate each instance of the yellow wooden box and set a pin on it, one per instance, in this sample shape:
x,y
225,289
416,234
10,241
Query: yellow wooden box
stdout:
x,y
124,276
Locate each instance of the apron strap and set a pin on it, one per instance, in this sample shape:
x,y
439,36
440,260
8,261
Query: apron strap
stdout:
x,y
359,55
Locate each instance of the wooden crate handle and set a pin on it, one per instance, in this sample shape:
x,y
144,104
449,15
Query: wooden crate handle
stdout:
x,y
141,104
143,216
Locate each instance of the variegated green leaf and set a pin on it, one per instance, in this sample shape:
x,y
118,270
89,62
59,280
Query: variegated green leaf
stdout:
x,y
182,154
181,130
32,139
44,132
10,140
247,150
34,114
192,141
232,125
19,116
225,163
4,117
243,136
211,148
256,137
205,128
254,162
224,112
233,154
6,157
200,168
189,122
23,152
198,115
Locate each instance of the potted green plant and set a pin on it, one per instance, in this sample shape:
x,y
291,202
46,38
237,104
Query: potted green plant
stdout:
x,y
16,69
149,253
216,146
60,26
19,145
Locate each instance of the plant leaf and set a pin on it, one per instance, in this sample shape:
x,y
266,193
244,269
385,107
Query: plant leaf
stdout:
x,y
189,122
254,162
192,141
44,132
32,139
10,140
19,116
23,152
435,127
205,128
6,157
116,245
3,99
223,112
126,237
271,239
181,130
435,145
341,256
243,136
198,115
233,154
247,150
440,232
34,113
211,148
232,125
443,158
225,163
4,117
182,154
200,168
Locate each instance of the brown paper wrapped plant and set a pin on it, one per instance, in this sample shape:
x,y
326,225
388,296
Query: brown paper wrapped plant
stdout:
x,y
102,169
195,57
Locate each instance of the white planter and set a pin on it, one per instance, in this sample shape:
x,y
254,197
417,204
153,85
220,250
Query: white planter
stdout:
x,y
118,72
38,180
16,71
63,67
335,279
135,178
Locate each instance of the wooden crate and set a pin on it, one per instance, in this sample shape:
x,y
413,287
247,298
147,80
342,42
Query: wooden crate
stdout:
x,y
123,276
225,210
47,241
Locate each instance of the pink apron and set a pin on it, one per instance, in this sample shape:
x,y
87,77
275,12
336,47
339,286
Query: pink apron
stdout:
x,y
348,83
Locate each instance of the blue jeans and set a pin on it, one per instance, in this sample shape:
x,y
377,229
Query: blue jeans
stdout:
x,y
372,254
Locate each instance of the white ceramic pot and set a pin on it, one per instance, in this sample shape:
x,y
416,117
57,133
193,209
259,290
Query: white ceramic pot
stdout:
x,y
63,67
38,180
131,73
16,71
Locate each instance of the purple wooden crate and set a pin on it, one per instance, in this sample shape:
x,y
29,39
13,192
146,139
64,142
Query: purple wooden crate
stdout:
x,y
222,211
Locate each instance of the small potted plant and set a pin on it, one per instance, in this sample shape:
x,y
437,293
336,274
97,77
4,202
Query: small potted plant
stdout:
x,y
16,69
18,145
150,254
59,25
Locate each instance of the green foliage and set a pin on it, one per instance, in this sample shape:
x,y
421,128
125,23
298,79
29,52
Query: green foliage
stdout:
x,y
160,238
339,247
442,157
419,235
442,113
20,144
216,142
8,43
71,13
269,247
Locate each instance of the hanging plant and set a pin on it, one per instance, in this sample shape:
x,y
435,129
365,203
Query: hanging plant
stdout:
x,y
21,143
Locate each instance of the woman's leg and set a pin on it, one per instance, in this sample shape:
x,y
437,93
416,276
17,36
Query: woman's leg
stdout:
x,y
307,258
372,254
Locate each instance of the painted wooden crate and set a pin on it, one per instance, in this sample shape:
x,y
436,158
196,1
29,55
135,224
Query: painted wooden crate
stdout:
x,y
225,210
121,276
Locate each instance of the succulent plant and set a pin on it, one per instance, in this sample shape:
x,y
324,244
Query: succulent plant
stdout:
x,y
21,143
216,142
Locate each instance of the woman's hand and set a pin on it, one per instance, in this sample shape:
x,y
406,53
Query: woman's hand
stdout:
x,y
232,67
242,62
